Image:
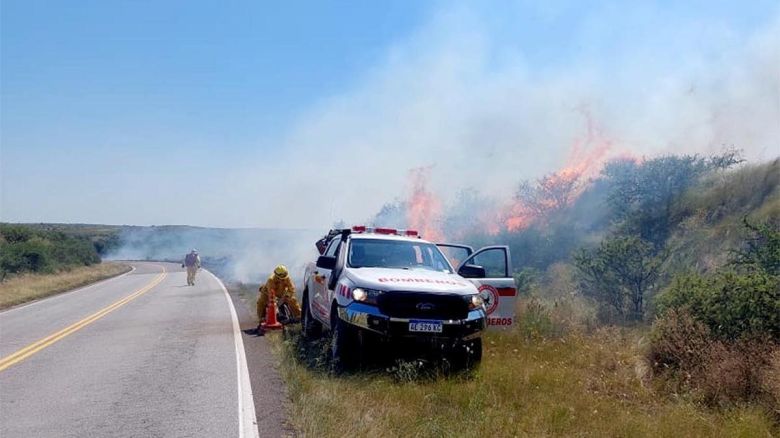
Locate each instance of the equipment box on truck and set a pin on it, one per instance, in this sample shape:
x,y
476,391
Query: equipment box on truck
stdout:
x,y
387,285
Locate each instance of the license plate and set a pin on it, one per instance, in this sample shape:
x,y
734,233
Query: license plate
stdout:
x,y
425,326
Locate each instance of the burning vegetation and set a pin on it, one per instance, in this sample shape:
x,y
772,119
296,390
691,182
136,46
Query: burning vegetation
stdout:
x,y
611,239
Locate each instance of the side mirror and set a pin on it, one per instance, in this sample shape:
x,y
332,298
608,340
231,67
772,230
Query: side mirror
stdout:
x,y
472,271
326,262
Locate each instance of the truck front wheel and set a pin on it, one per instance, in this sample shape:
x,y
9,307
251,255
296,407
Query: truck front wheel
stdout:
x,y
467,356
343,346
310,327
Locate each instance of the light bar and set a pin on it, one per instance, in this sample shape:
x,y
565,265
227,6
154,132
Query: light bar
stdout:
x,y
380,230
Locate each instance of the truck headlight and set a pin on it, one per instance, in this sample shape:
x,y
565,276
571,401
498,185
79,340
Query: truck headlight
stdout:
x,y
359,294
475,302
368,296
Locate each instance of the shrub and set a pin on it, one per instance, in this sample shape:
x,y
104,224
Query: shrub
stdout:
x,y
733,371
26,256
771,378
25,249
679,342
619,274
684,352
761,250
731,305
533,319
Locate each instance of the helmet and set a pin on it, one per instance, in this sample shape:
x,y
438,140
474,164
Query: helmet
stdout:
x,y
194,251
280,271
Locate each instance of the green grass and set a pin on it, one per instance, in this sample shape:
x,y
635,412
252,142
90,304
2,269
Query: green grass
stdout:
x,y
577,385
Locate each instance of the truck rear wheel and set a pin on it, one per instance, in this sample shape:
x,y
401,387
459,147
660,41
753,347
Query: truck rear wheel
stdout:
x,y
343,347
311,328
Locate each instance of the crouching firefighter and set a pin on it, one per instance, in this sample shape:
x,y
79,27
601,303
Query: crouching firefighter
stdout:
x,y
283,289
192,263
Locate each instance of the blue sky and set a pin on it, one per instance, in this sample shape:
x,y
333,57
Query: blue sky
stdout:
x,y
228,113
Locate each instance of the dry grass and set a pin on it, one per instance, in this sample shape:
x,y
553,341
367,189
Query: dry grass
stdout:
x,y
576,385
28,287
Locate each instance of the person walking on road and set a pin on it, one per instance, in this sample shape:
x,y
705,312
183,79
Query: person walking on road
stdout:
x,y
192,263
282,287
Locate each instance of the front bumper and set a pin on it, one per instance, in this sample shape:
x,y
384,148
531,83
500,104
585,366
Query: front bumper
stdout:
x,y
370,318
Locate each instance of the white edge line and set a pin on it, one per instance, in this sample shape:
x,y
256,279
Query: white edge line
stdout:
x,y
247,420
61,294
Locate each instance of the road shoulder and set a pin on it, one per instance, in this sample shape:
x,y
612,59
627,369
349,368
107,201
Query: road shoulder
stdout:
x,y
268,388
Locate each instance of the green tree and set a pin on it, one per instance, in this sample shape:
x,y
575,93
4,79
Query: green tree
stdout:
x,y
644,195
619,273
743,301
15,233
761,250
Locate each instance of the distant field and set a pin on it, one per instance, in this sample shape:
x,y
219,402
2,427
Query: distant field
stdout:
x,y
579,385
28,287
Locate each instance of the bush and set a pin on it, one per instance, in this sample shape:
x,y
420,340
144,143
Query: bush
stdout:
x,y
730,304
25,249
684,352
25,256
619,274
533,319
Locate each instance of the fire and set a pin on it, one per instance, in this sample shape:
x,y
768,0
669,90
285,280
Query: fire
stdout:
x,y
423,209
559,189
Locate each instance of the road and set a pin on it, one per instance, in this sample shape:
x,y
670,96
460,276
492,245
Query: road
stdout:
x,y
140,355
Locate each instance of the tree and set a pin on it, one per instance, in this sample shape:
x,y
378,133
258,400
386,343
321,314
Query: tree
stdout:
x,y
761,250
644,195
619,273
742,300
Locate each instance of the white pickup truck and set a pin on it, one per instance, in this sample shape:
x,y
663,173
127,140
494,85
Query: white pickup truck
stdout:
x,y
390,286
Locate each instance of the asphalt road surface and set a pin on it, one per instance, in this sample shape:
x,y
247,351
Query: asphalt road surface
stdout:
x,y
140,355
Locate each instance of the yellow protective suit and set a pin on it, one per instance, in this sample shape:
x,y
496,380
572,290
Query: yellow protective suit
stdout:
x,y
283,288
191,272
192,263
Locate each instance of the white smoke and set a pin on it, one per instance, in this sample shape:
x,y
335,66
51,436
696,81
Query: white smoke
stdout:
x,y
459,97
246,255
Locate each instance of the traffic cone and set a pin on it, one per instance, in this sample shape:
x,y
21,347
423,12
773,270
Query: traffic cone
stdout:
x,y
270,314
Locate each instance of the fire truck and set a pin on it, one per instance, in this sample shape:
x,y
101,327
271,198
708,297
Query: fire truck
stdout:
x,y
375,286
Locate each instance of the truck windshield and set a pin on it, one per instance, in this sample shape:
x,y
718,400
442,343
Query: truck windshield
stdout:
x,y
399,254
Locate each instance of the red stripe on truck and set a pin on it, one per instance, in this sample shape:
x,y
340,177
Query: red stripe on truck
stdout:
x,y
507,291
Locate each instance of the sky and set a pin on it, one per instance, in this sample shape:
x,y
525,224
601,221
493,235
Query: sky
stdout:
x,y
298,114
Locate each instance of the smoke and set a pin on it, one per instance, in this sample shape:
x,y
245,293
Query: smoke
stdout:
x,y
246,255
439,132
482,109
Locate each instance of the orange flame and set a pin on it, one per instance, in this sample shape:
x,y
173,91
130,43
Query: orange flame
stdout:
x,y
560,189
423,209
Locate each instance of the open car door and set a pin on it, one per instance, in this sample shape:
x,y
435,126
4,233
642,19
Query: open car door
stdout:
x,y
455,253
490,269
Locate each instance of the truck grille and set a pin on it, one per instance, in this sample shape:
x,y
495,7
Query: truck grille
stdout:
x,y
423,305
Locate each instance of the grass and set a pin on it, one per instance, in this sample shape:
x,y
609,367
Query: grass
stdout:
x,y
27,287
576,385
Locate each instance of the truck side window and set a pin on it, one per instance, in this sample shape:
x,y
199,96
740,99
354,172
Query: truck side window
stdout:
x,y
494,262
333,248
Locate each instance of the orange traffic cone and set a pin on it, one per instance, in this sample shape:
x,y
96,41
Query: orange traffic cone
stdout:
x,y
270,314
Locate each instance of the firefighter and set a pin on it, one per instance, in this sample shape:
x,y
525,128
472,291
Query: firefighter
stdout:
x,y
192,263
283,289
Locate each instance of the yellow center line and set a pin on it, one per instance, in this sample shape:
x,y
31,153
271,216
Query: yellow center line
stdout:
x,y
39,345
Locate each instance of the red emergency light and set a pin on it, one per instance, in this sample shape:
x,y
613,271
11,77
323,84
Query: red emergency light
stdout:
x,y
380,230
